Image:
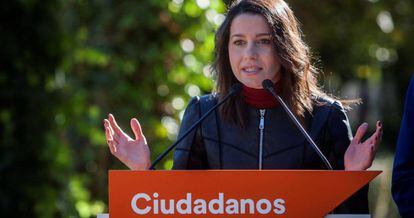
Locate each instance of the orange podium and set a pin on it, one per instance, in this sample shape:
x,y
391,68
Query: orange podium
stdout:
x,y
231,193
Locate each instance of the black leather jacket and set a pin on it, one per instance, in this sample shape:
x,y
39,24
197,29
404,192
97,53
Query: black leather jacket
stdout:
x,y
271,141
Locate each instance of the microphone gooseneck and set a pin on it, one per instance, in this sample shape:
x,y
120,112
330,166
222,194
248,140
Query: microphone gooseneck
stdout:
x,y
234,89
268,85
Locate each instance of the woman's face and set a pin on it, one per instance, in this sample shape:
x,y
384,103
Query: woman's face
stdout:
x,y
253,57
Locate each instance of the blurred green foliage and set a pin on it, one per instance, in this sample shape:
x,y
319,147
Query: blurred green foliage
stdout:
x,y
66,64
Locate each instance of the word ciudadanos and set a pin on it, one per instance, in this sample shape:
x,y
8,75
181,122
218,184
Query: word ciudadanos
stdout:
x,y
143,204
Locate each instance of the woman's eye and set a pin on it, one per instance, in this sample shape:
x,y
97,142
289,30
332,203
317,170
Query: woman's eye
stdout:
x,y
239,42
265,41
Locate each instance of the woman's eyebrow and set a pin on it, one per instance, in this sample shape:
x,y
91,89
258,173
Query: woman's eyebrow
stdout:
x,y
236,35
263,34
257,35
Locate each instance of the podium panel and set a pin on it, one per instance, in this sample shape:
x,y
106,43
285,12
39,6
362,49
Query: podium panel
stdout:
x,y
231,193
105,215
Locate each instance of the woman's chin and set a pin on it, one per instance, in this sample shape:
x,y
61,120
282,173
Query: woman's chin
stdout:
x,y
253,85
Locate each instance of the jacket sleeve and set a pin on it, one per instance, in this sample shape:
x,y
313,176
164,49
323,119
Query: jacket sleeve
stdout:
x,y
340,135
190,152
403,172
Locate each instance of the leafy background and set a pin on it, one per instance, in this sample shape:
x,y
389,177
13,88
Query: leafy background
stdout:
x,y
66,64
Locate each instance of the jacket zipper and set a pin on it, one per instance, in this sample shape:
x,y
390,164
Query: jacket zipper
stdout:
x,y
261,129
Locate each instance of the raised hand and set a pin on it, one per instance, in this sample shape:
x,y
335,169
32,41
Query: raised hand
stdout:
x,y
360,155
134,153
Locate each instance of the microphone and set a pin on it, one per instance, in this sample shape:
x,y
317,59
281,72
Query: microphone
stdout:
x,y
234,89
268,85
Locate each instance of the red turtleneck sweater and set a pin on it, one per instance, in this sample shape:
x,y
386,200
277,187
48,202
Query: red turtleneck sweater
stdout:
x,y
260,98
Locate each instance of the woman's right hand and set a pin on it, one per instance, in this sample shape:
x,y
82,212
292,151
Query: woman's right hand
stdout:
x,y
134,153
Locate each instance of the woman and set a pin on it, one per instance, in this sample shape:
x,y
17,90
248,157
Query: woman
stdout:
x,y
260,40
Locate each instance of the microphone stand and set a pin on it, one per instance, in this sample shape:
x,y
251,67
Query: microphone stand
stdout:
x,y
235,88
268,85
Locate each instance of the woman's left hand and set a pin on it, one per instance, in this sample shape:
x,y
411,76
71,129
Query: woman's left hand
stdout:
x,y
360,155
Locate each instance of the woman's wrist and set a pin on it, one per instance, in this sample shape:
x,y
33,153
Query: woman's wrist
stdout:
x,y
140,166
354,168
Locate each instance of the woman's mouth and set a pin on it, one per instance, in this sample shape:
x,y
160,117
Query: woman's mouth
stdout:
x,y
251,70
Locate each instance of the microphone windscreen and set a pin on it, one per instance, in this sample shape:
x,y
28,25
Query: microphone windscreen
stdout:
x,y
236,88
267,84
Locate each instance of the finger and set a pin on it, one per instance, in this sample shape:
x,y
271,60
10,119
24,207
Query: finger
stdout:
x,y
378,136
136,128
362,129
108,134
380,130
107,124
110,141
373,141
373,138
114,125
111,138
379,126
114,137
112,147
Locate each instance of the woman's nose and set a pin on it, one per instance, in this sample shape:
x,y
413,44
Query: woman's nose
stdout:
x,y
251,51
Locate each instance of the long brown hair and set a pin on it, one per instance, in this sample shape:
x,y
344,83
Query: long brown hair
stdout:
x,y
298,76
